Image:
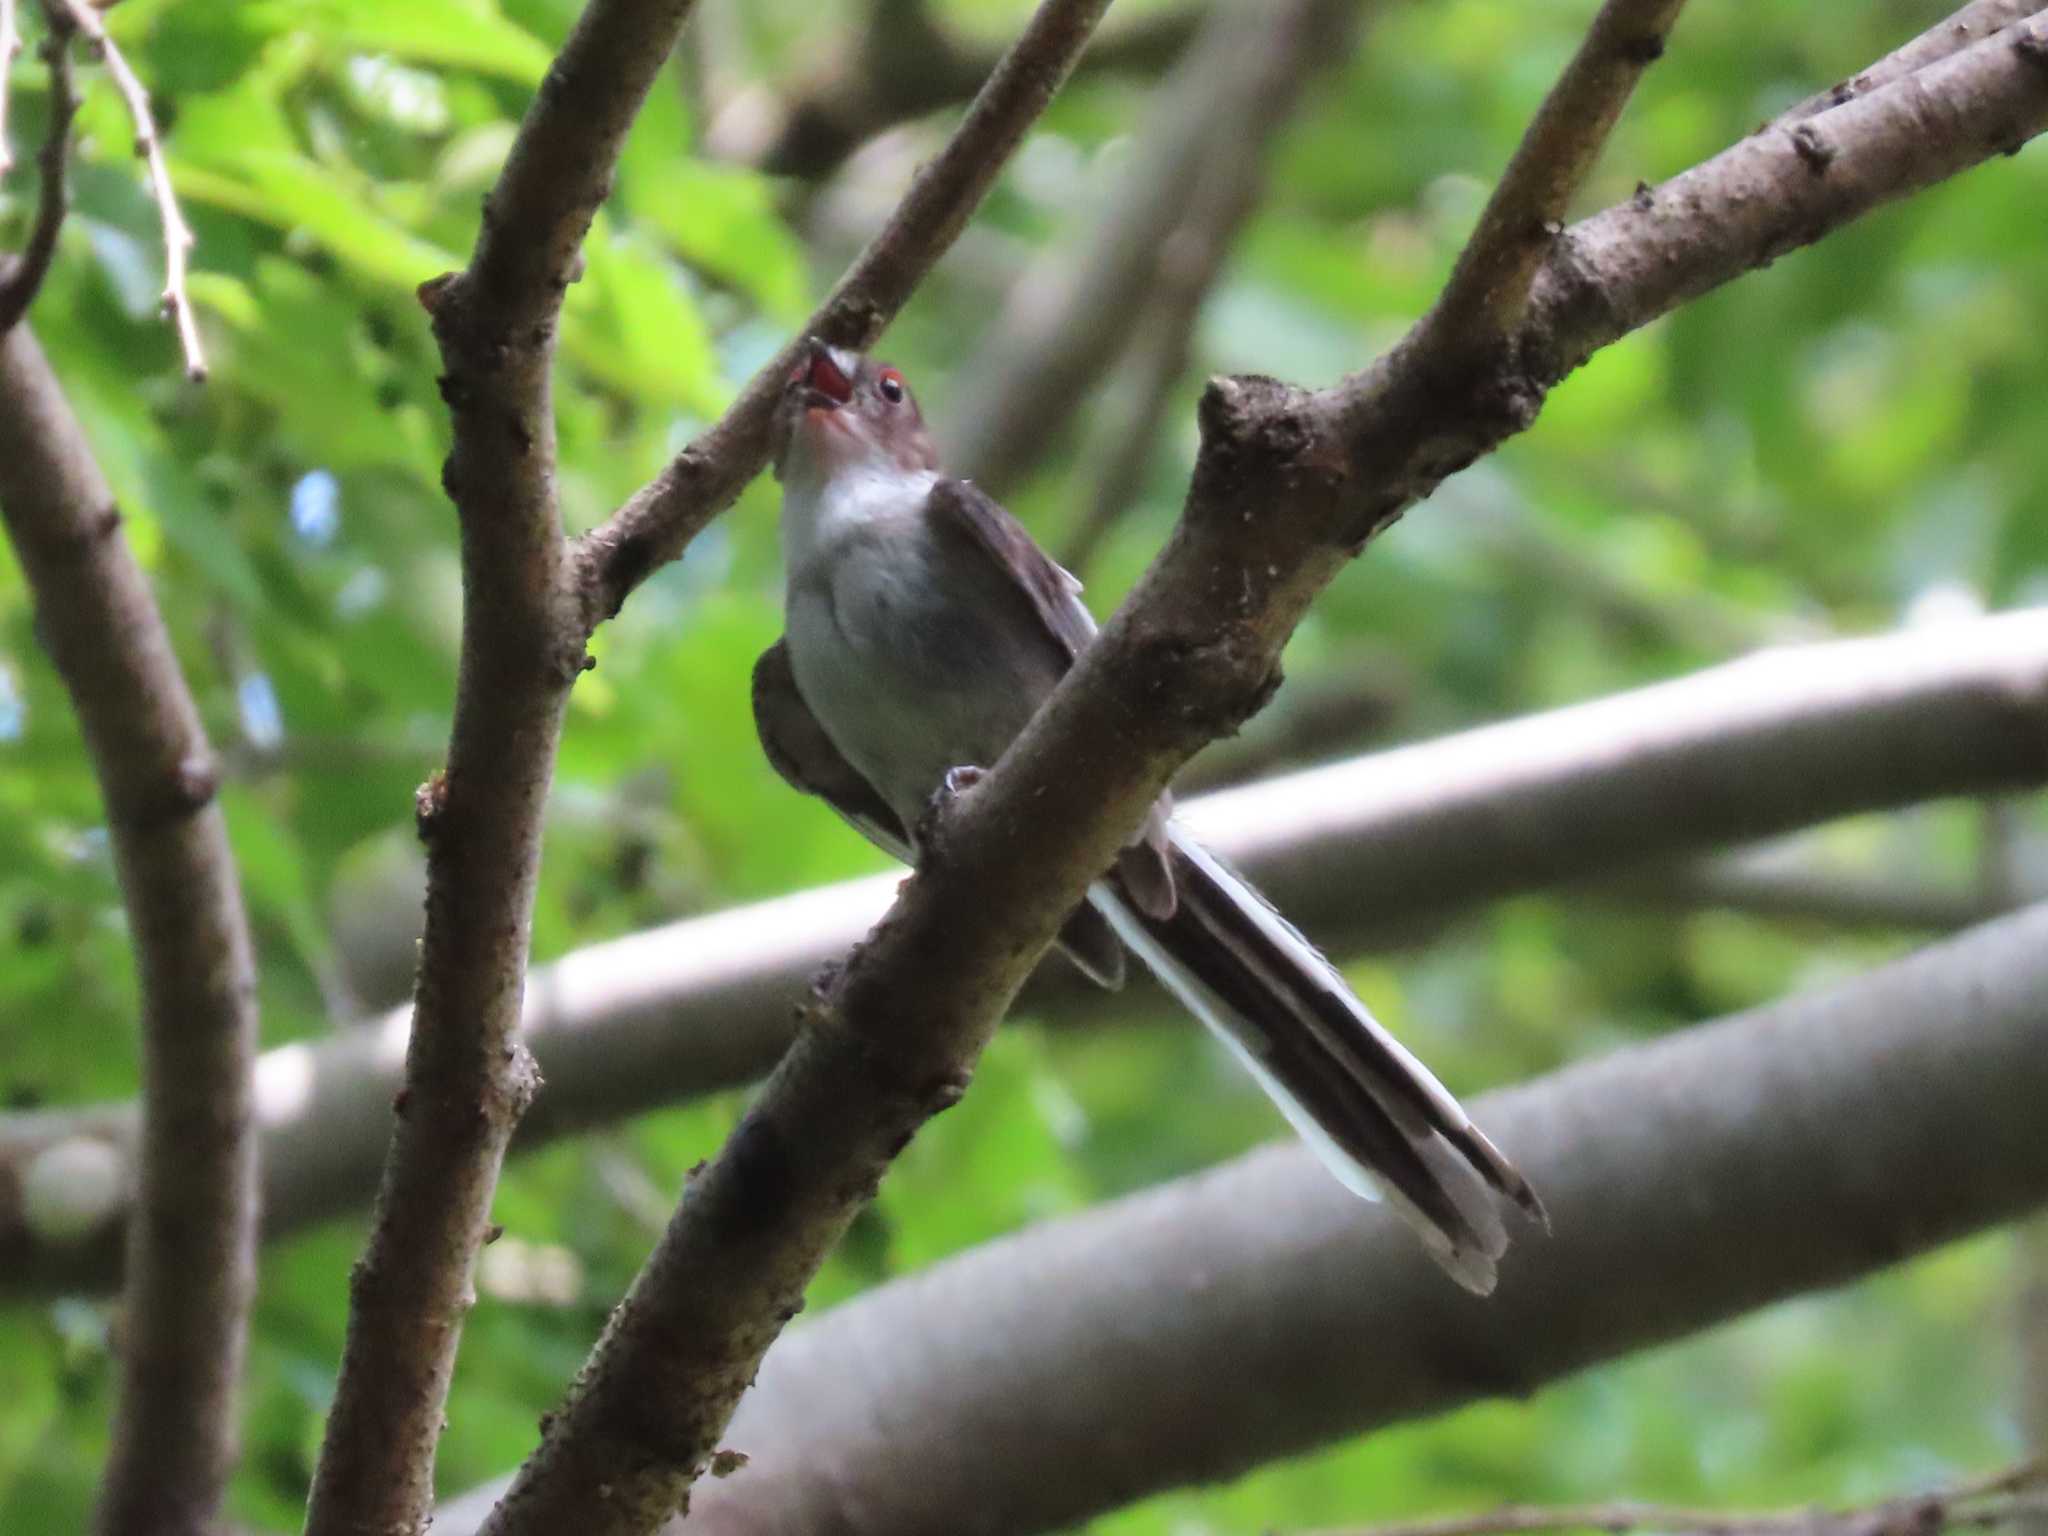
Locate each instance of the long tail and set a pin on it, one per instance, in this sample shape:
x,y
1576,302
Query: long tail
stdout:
x,y
1373,1113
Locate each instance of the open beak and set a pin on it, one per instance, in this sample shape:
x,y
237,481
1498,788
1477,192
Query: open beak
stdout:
x,y
826,380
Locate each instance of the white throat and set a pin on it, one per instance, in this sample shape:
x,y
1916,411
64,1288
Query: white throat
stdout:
x,y
820,511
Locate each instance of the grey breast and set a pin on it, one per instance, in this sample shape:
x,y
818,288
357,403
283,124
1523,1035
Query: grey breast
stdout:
x,y
912,667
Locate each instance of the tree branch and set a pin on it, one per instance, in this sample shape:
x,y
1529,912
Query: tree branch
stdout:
x,y
468,1077
1986,1503
21,278
1788,884
191,1242
178,237
1971,24
1187,1333
703,480
904,66
1488,289
1363,853
1072,312
1774,192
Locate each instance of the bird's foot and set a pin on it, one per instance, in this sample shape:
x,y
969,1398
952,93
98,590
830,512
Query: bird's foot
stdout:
x,y
930,829
959,780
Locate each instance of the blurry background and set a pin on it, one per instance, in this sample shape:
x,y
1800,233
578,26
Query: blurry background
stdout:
x,y
1846,442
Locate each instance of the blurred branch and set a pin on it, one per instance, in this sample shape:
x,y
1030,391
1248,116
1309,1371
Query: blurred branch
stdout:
x,y
468,1076
1489,288
1362,853
1985,1503
1790,885
1947,37
905,64
1280,53
149,147
192,1232
658,522
843,217
1496,518
1111,474
1074,310
1192,1331
21,277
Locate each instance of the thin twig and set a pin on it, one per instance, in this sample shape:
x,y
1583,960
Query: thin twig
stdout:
x,y
660,519
178,236
10,50
21,278
1489,288
1998,1499
1951,35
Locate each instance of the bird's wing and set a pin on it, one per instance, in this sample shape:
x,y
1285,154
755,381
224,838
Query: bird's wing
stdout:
x,y
963,508
798,748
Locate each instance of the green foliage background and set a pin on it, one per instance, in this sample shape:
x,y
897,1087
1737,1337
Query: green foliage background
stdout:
x,y
1830,444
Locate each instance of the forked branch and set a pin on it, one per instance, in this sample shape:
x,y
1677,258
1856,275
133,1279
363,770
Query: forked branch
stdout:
x,y
1489,287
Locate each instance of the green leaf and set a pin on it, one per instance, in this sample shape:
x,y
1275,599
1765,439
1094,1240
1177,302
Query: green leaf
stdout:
x,y
460,34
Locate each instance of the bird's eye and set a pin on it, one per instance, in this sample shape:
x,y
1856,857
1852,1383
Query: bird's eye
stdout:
x,y
891,386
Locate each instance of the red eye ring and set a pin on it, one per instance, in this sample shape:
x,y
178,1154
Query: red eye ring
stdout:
x,y
891,385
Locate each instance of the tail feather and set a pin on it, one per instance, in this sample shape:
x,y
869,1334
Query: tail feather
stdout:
x,y
1374,1114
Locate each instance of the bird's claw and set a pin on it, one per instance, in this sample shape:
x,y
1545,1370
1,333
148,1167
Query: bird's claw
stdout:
x,y
957,782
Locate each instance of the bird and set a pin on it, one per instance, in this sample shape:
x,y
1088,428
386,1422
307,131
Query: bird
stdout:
x,y
922,628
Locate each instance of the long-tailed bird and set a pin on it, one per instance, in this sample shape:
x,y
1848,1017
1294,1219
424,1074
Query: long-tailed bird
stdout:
x,y
924,627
